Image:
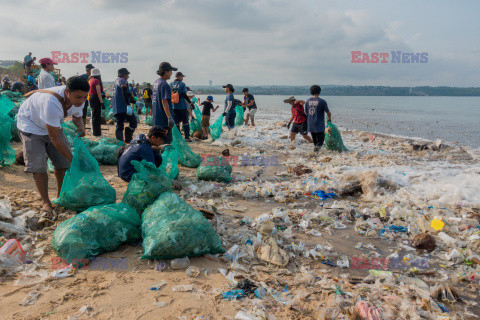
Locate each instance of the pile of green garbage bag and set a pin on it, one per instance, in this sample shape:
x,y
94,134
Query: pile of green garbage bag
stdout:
x,y
105,150
7,153
13,96
239,117
96,230
69,128
216,128
170,162
333,138
173,229
146,185
186,157
84,186
149,121
214,168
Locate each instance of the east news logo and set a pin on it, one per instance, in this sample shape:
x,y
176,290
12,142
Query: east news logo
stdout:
x,y
395,57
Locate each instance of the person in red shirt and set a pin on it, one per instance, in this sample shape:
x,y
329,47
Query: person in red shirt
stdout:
x,y
96,102
299,118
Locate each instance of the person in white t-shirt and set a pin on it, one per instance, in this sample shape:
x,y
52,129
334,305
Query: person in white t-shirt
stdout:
x,y
39,123
45,79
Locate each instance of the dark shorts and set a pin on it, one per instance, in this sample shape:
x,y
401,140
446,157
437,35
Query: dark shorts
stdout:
x,y
37,148
181,115
148,104
299,128
205,122
230,120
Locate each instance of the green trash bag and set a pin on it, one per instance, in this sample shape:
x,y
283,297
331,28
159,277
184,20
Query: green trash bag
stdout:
x,y
94,231
239,117
333,138
14,130
104,150
146,185
6,105
195,124
13,96
173,229
214,169
170,162
149,121
216,128
107,103
186,157
7,153
84,186
69,128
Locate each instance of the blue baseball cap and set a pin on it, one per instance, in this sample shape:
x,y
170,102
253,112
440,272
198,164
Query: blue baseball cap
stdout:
x,y
210,98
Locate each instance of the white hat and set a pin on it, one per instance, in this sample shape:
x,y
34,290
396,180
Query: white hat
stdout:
x,y
95,72
190,93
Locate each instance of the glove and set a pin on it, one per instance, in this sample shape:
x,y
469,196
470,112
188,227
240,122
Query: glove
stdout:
x,y
102,105
171,123
288,125
224,114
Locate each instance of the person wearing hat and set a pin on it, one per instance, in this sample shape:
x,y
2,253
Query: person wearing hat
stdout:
x,y
299,119
96,102
162,106
205,122
143,147
229,111
45,79
249,103
180,109
122,105
86,76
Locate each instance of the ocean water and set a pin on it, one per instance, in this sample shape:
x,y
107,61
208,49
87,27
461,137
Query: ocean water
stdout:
x,y
452,119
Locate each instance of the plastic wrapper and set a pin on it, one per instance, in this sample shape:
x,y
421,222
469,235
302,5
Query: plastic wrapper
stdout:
x,y
216,128
239,117
173,229
170,162
84,186
96,230
146,185
186,157
333,138
214,169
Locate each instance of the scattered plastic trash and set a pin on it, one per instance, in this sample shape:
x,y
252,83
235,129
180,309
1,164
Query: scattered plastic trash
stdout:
x,y
193,272
33,296
322,195
183,288
180,263
437,224
12,254
158,286
233,294
245,316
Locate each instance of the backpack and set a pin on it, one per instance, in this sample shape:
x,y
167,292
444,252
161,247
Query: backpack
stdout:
x,y
145,94
175,94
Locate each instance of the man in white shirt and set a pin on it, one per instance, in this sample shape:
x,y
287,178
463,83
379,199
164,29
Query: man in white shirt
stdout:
x,y
39,123
45,79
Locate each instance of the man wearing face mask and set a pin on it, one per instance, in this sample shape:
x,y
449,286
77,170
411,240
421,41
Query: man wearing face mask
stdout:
x,y
39,123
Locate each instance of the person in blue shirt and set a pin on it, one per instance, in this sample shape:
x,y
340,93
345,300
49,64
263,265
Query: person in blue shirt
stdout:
x,y
229,110
315,108
162,107
180,109
143,147
30,77
122,105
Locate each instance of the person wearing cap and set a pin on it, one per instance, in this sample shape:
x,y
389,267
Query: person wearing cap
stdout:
x,y
299,119
162,106
205,122
29,64
249,103
96,102
143,147
180,109
193,99
45,79
229,110
147,99
122,105
39,123
86,76
315,108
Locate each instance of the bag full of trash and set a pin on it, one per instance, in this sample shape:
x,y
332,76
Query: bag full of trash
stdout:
x,y
146,185
149,121
96,230
173,229
186,157
84,186
216,128
69,128
214,169
333,138
239,117
105,150
7,153
170,162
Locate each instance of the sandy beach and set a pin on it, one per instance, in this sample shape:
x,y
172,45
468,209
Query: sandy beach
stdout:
x,y
331,244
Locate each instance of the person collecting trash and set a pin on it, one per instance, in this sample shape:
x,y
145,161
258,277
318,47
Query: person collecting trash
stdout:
x,y
229,112
206,111
299,119
315,108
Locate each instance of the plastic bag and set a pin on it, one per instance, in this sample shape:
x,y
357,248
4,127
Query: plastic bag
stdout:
x,y
146,185
195,124
170,162
173,229
96,230
7,153
6,105
216,128
333,139
149,121
214,169
186,157
84,186
104,150
69,128
239,117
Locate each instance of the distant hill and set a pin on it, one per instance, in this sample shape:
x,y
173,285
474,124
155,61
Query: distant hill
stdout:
x,y
334,90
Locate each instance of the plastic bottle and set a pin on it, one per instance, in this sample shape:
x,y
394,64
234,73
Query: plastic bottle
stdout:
x,y
11,254
180,263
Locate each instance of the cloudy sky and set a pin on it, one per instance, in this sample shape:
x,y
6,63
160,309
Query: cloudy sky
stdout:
x,y
255,42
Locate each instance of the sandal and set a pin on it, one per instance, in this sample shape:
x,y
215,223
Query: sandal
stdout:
x,y
49,214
